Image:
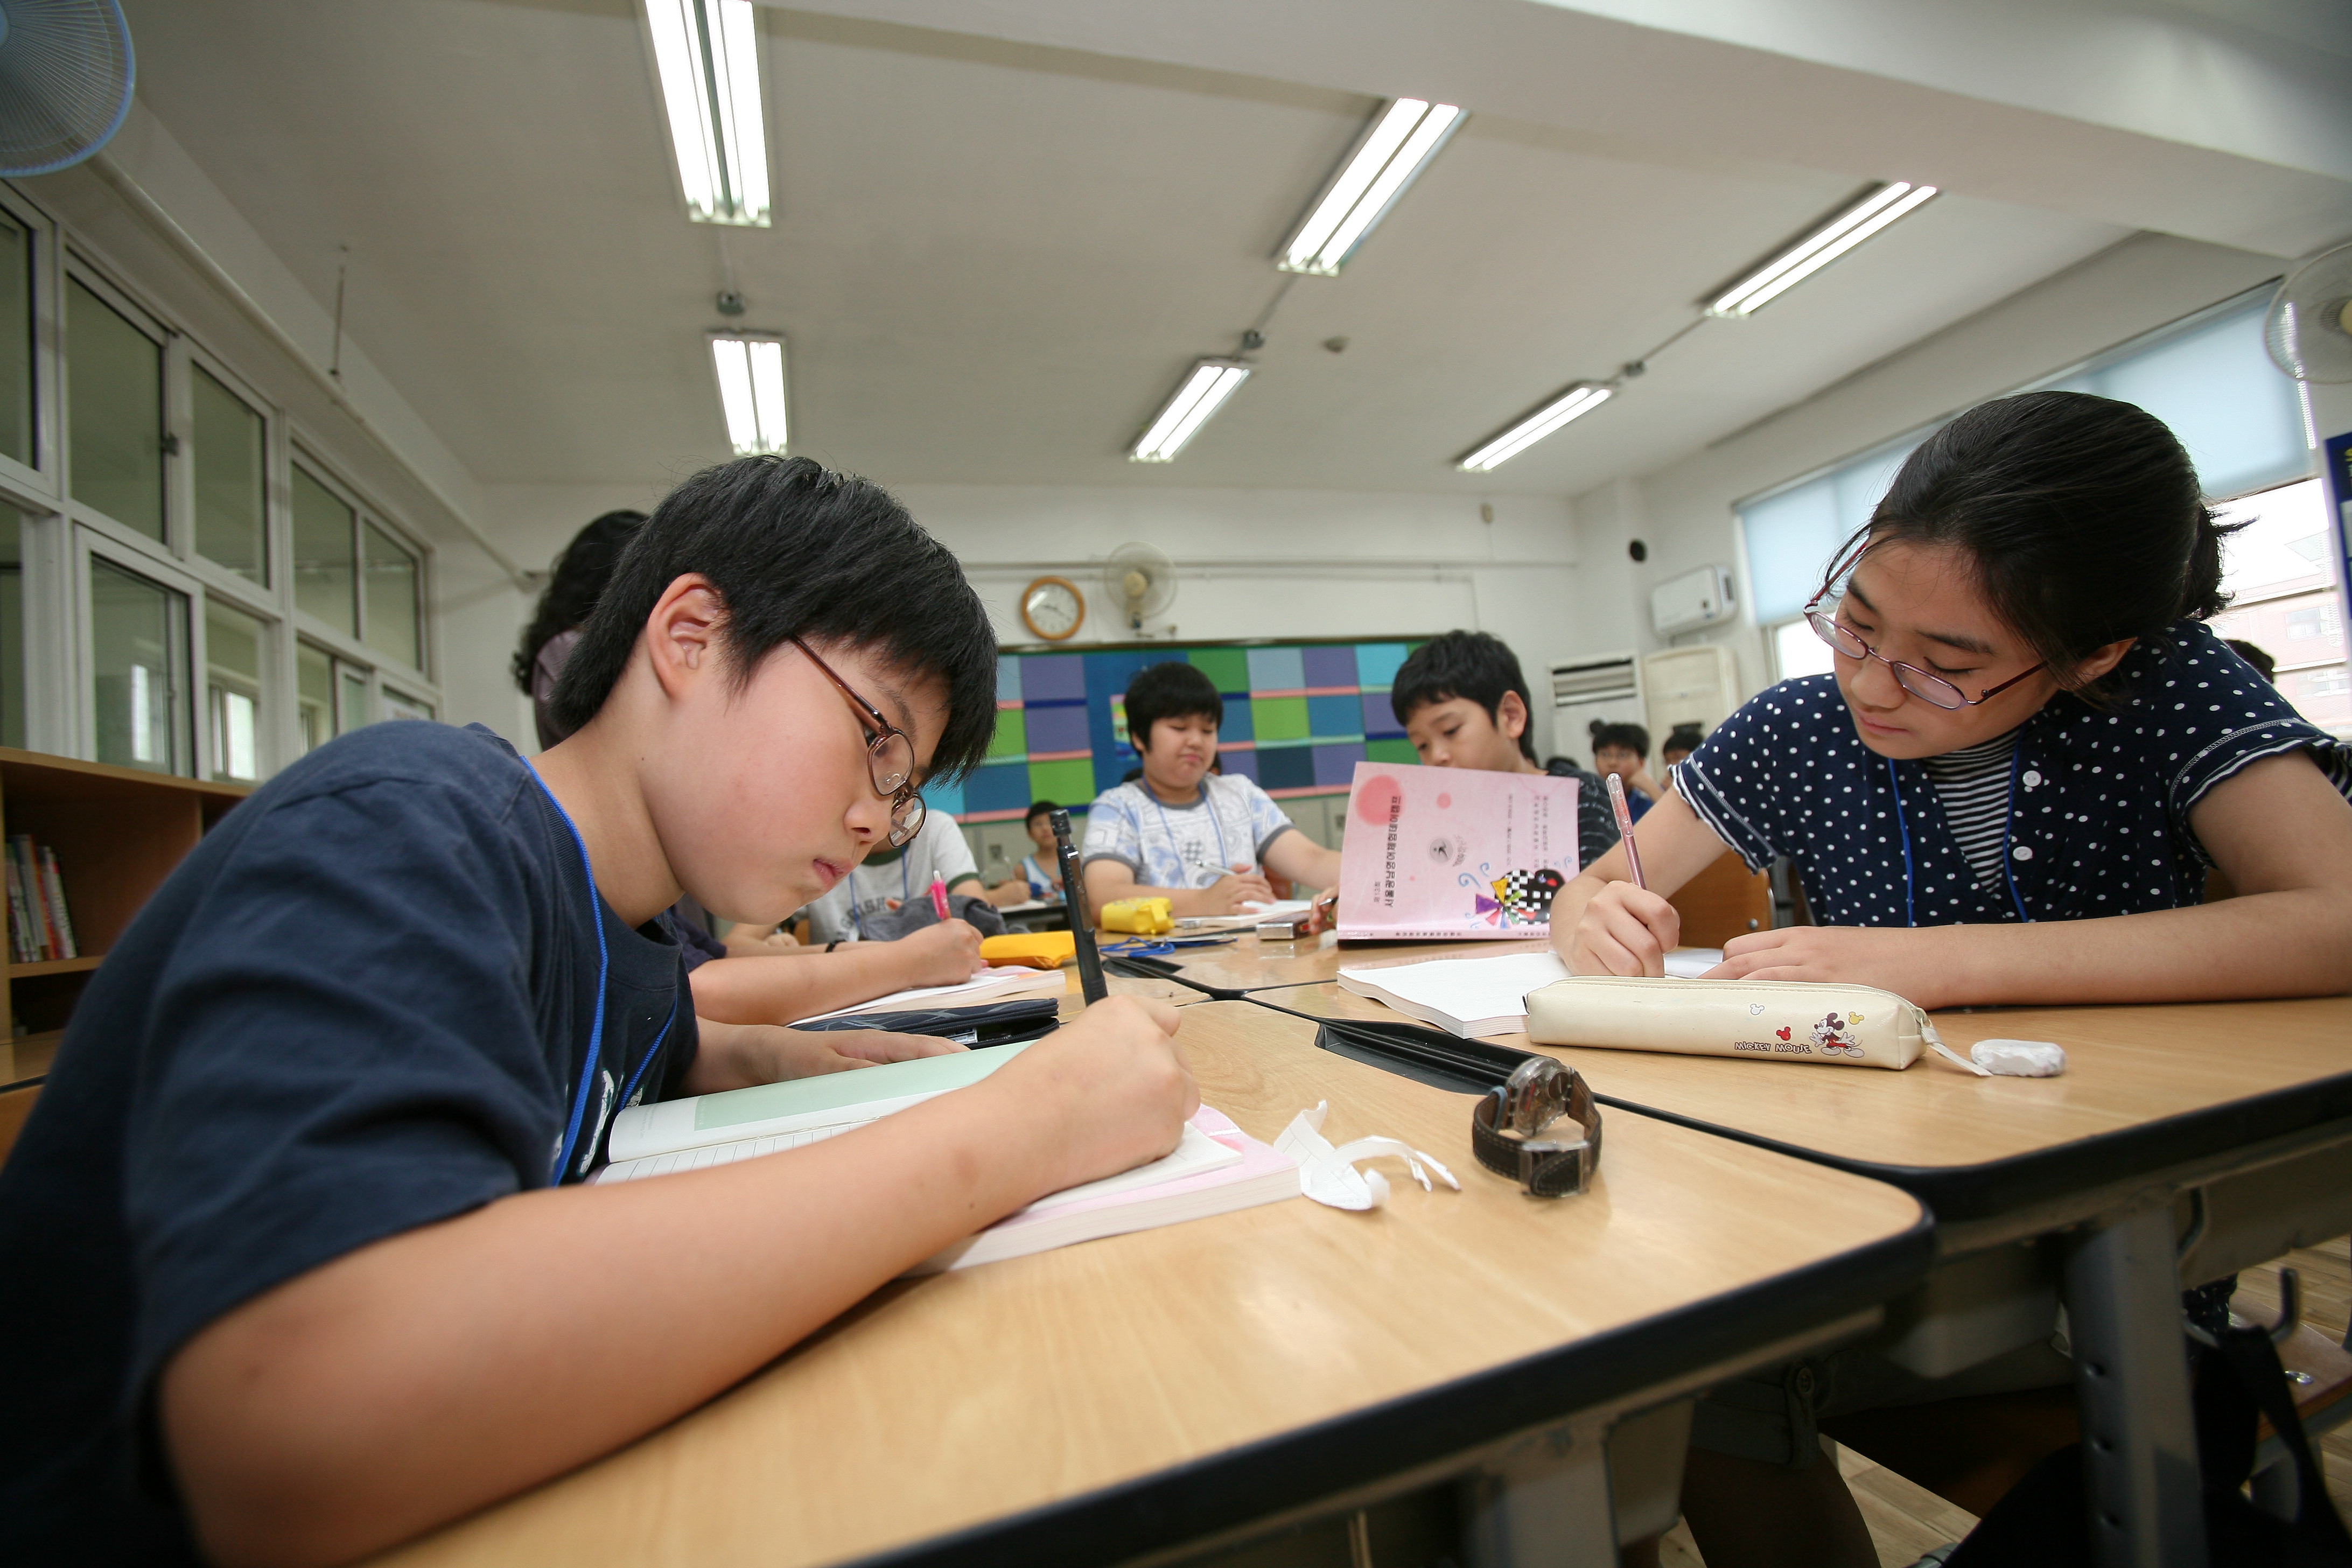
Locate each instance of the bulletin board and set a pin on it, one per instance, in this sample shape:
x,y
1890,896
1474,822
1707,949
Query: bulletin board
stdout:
x,y
1299,716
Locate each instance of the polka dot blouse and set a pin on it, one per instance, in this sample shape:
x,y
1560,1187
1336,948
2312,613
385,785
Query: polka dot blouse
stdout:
x,y
2099,797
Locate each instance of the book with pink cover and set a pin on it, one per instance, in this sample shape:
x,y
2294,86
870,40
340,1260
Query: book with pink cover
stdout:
x,y
1450,853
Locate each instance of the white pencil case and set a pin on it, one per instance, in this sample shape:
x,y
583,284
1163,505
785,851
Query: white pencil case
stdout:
x,y
1779,1020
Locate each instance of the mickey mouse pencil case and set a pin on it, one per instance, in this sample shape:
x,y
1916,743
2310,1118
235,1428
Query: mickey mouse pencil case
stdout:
x,y
1780,1020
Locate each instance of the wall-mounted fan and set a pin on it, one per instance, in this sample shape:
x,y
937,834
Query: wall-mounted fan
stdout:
x,y
2309,330
66,72
1142,579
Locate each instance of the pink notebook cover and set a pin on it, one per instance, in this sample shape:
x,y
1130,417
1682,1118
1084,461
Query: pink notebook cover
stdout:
x,y
1453,853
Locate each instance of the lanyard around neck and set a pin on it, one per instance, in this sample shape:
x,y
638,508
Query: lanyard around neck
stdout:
x,y
1224,860
603,973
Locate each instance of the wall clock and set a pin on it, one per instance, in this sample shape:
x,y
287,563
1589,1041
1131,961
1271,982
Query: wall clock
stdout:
x,y
1052,609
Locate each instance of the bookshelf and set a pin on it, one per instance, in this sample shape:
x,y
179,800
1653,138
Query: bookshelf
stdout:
x,y
117,833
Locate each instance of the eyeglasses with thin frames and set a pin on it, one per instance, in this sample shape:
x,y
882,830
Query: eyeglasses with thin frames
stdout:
x,y
1927,687
889,759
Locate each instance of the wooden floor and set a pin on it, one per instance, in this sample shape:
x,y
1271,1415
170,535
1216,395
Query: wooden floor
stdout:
x,y
1906,1521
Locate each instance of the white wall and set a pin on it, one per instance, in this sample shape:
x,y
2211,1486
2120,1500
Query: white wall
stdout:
x,y
1684,512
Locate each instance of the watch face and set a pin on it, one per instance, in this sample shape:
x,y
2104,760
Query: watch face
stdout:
x,y
1536,1096
1052,609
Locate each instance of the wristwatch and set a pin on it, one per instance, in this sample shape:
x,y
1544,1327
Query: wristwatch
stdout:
x,y
1508,1124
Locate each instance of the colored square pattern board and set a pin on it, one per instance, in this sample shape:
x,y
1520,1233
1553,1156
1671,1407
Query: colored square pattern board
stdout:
x,y
1299,718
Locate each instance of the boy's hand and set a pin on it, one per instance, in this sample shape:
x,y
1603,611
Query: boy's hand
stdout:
x,y
1112,1088
806,1053
947,954
1624,929
1227,894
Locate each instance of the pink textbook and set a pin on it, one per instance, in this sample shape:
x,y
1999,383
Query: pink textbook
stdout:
x,y
1453,853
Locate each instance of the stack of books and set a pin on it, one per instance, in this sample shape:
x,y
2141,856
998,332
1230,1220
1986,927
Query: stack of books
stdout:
x,y
39,927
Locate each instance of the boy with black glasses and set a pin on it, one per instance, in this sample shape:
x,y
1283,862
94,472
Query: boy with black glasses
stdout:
x,y
297,1220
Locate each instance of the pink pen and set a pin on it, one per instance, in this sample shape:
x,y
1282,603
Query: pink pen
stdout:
x,y
1625,830
940,890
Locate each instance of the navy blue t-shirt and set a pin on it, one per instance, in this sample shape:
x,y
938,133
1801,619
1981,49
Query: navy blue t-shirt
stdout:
x,y
362,1005
2099,797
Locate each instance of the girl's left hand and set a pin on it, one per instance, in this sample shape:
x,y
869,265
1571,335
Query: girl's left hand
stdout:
x,y
1903,961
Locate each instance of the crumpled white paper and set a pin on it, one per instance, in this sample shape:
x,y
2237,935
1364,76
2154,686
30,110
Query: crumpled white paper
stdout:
x,y
1329,1176
2021,1058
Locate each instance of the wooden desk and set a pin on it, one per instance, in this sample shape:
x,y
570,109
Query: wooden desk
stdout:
x,y
2239,1112
1249,964
1134,1395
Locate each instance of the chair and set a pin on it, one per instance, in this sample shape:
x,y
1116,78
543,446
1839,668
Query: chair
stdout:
x,y
1725,900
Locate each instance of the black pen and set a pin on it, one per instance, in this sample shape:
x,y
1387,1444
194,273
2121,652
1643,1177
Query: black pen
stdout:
x,y
1082,925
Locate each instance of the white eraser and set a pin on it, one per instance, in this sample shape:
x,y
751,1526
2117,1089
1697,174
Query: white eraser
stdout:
x,y
2019,1058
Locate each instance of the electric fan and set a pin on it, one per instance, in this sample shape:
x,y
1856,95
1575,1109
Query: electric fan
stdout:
x,y
1141,578
65,82
2309,330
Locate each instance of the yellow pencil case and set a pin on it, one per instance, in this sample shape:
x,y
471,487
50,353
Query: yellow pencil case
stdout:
x,y
1038,949
1780,1020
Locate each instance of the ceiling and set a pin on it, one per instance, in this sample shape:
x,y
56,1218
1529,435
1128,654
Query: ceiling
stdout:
x,y
995,257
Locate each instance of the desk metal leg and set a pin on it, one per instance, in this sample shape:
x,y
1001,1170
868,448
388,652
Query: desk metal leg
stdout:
x,y
2131,1376
1544,1502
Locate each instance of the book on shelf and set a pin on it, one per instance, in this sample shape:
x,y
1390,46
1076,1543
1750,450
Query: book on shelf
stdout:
x,y
40,927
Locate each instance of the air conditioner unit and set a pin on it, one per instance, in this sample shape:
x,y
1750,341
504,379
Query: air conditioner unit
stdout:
x,y
1695,599
1690,686
1604,688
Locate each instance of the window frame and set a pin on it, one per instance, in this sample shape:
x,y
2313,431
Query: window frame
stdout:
x,y
89,545
79,269
45,476
353,647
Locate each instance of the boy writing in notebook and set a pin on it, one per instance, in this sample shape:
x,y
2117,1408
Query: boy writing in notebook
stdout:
x,y
1205,841
297,1220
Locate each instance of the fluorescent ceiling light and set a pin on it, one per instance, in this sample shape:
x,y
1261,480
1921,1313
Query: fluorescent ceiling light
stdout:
x,y
1577,401
750,369
1819,248
1396,148
707,55
1203,392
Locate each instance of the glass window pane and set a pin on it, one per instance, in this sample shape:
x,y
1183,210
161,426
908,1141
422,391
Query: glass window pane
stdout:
x,y
391,597
16,340
233,643
355,714
314,696
325,568
114,372
400,705
11,627
229,470
138,631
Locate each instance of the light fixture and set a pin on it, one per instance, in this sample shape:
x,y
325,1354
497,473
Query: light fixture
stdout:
x,y
750,367
1203,392
707,55
1576,402
1394,150
1824,244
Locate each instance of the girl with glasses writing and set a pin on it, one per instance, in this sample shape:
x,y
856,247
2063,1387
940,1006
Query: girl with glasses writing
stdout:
x,y
2028,722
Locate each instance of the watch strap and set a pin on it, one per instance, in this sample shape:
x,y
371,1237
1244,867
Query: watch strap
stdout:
x,y
1548,1169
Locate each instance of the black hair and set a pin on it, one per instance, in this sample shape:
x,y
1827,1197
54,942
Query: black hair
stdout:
x,y
2260,658
1169,691
1632,737
2082,516
1478,665
1684,738
798,551
1038,808
573,585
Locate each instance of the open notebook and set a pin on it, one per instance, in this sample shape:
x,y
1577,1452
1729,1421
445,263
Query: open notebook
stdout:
x,y
1215,1167
1476,996
994,984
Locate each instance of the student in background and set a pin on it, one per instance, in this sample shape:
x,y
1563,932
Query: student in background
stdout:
x,y
2008,791
2264,665
1207,843
339,1283
1463,704
1039,874
1681,743
889,879
1625,750
577,578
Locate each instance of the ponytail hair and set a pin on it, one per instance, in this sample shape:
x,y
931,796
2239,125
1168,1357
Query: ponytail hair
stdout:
x,y
2082,517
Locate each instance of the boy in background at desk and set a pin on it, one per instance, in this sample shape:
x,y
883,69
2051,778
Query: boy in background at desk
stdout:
x,y
1039,874
1463,704
296,1222
1205,842
889,879
1625,750
2008,791
1681,743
